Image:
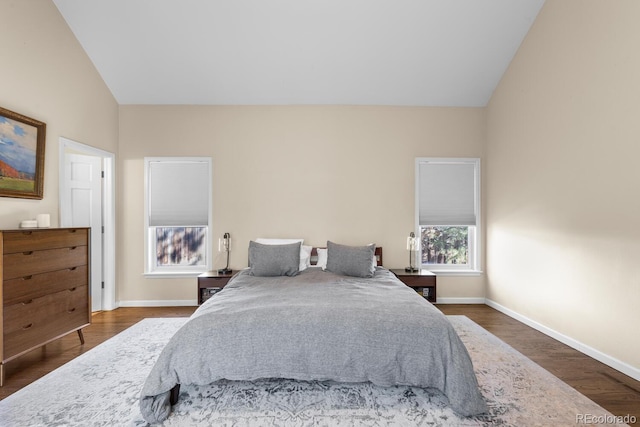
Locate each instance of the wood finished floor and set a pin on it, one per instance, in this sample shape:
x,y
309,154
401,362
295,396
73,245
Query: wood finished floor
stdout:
x,y
611,389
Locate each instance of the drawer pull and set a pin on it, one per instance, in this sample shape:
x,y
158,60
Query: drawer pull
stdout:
x,y
27,233
73,268
27,327
71,310
73,248
72,289
27,278
27,253
73,230
27,302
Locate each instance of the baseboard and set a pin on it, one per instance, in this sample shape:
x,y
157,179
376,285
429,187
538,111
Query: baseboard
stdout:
x,y
616,364
159,303
110,306
460,300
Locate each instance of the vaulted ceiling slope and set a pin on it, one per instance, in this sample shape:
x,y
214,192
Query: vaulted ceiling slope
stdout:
x,y
301,52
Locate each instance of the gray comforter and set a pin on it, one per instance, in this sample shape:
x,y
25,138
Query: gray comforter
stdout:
x,y
316,326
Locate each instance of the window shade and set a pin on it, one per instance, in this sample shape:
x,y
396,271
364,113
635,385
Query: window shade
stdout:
x,y
179,193
447,193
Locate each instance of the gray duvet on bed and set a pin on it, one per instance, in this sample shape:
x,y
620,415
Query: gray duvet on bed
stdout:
x,y
316,326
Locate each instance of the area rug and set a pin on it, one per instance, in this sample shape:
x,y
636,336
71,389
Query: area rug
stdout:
x,y
102,386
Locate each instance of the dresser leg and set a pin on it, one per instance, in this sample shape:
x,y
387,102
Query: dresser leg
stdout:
x,y
1,374
80,334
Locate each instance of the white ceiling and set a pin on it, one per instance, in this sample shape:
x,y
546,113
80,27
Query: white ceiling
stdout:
x,y
301,52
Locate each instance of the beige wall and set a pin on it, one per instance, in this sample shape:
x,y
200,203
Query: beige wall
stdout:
x,y
562,179
46,75
340,173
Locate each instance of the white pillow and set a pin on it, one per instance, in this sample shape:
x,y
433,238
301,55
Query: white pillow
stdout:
x,y
374,261
322,258
305,251
305,256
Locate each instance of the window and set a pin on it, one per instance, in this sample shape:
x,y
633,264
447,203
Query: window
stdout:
x,y
448,213
177,215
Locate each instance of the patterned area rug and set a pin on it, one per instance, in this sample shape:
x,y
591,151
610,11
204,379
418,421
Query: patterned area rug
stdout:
x,y
101,388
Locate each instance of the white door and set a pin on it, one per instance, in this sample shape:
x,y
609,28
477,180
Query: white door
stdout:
x,y
81,206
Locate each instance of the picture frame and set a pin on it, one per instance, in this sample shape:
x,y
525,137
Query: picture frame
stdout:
x,y
22,142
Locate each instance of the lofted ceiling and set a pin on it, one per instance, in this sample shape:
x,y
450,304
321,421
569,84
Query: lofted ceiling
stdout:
x,y
301,52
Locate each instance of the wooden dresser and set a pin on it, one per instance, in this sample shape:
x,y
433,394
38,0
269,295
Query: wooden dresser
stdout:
x,y
44,276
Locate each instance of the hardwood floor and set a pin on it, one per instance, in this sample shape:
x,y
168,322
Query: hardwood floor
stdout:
x,y
609,388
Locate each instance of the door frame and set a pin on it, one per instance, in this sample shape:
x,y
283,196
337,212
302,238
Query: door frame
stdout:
x,y
108,211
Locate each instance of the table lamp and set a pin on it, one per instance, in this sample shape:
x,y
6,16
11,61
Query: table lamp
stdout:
x,y
412,246
226,246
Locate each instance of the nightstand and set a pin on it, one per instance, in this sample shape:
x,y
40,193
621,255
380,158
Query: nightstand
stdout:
x,y
423,281
210,283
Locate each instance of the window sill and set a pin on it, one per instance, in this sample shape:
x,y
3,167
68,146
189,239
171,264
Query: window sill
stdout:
x,y
173,274
456,272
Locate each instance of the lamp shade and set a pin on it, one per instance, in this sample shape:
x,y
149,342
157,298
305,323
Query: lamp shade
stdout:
x,y
412,243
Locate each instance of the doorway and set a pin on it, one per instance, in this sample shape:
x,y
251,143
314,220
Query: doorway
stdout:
x,y
87,200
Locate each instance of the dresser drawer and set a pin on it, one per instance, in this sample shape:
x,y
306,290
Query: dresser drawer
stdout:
x,y
27,263
43,319
33,240
33,286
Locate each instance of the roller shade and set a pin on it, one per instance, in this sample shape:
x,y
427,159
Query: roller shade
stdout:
x,y
178,193
447,193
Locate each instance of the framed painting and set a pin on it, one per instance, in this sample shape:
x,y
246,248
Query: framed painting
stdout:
x,y
21,156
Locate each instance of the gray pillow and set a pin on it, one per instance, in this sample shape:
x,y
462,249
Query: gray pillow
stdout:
x,y
274,260
350,260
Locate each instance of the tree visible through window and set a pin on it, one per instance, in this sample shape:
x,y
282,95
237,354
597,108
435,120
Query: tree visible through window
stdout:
x,y
445,245
180,246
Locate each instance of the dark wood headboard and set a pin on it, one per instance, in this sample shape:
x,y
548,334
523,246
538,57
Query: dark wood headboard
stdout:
x,y
314,255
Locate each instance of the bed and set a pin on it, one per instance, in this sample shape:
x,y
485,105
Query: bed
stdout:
x,y
345,319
